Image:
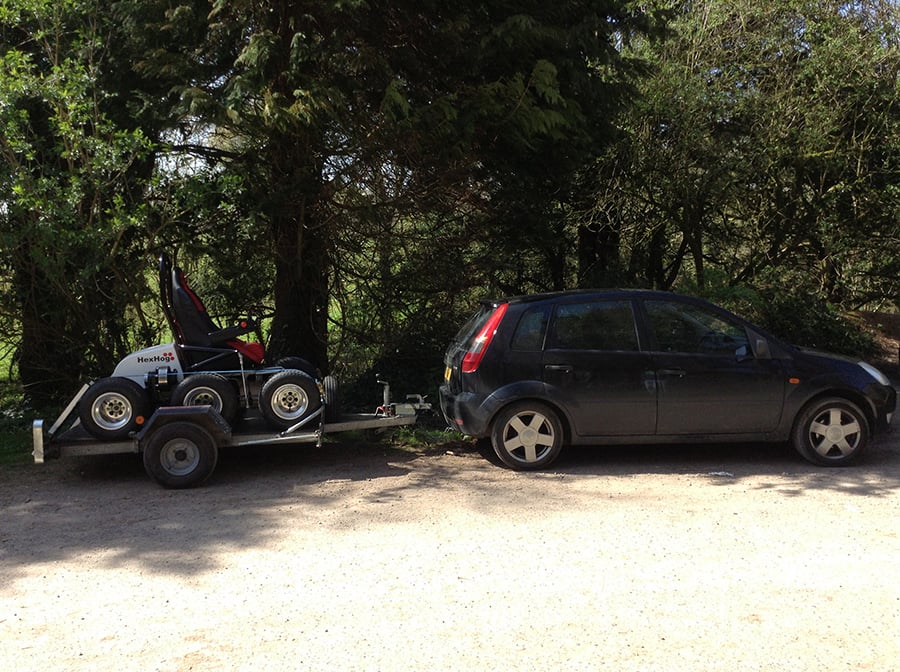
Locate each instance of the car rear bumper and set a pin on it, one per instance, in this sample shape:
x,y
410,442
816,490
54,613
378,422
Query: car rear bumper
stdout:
x,y
464,412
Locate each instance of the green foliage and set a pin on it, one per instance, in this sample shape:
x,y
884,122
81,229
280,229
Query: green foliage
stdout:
x,y
802,320
68,225
790,313
765,142
364,172
15,421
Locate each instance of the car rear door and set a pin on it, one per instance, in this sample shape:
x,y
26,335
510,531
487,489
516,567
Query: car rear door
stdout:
x,y
594,366
710,378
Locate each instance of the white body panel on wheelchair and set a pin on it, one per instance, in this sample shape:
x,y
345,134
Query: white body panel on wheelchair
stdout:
x,y
143,364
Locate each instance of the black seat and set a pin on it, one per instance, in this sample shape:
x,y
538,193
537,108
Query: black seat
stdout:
x,y
203,344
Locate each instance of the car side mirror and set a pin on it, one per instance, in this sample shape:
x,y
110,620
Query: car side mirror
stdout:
x,y
761,348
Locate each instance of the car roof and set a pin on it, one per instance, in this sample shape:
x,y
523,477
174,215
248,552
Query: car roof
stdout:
x,y
590,293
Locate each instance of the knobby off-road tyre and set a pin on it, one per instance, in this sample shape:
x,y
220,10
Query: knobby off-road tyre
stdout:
x,y
208,389
287,398
527,435
298,364
114,407
831,432
180,455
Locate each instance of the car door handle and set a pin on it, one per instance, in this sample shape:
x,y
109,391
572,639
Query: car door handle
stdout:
x,y
678,373
561,368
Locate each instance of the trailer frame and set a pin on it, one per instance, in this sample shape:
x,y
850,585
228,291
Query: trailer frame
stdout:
x,y
194,431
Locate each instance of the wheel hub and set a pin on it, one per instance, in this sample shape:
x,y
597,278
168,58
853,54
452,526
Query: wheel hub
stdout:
x,y
835,434
290,402
111,411
179,457
529,436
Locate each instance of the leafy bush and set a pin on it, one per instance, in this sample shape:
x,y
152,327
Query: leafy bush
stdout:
x,y
797,316
14,424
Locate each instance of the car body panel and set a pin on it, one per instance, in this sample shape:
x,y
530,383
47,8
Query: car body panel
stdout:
x,y
606,393
716,394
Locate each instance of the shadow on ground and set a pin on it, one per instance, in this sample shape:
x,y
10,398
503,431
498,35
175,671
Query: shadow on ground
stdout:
x,y
106,511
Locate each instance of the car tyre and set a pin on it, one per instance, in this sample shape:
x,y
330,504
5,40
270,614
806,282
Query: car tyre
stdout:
x,y
527,435
208,389
180,455
114,407
288,397
831,432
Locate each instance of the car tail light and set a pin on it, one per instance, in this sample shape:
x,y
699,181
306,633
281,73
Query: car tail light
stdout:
x,y
481,342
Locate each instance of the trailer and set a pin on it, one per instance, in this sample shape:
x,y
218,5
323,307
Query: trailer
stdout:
x,y
180,444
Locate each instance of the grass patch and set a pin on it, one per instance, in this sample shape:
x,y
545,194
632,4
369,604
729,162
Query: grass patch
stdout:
x,y
15,425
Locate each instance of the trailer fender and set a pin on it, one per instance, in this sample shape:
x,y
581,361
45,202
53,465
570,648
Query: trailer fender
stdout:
x,y
203,416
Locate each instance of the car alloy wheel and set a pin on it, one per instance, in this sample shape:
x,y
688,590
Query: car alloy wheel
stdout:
x,y
527,435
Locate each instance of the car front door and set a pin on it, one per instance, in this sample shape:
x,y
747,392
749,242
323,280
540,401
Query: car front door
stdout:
x,y
595,367
713,376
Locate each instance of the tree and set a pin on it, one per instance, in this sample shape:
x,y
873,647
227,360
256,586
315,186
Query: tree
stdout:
x,y
288,134
70,217
763,151
470,108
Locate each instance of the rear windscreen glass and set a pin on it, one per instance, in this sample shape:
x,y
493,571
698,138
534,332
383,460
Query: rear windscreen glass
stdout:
x,y
470,328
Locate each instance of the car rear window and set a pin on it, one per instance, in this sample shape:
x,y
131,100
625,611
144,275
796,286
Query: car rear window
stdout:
x,y
473,326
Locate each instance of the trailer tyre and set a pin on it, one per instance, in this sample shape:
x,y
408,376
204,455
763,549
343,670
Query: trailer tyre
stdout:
x,y
208,389
332,399
288,397
180,455
113,407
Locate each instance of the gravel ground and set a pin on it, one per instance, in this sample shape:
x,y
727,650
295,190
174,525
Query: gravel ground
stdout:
x,y
360,557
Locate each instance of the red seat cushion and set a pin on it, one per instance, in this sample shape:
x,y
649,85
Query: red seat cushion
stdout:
x,y
253,351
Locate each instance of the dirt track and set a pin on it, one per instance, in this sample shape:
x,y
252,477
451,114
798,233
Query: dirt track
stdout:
x,y
355,557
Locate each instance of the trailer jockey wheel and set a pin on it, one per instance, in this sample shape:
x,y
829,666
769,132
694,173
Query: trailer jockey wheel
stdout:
x,y
113,407
287,398
180,455
208,389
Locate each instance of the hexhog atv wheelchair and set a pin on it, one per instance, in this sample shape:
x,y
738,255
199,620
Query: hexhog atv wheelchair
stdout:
x,y
205,366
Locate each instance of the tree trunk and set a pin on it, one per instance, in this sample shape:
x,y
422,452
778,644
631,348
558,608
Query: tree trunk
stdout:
x,y
300,324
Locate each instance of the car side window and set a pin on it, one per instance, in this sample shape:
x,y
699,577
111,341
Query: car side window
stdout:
x,y
682,327
530,330
594,325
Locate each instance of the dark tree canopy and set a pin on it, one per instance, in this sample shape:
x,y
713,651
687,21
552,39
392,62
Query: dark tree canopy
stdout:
x,y
363,171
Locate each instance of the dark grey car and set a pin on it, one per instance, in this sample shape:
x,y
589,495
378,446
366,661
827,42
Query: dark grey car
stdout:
x,y
534,373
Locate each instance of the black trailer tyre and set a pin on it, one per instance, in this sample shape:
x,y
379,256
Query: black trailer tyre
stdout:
x,y
180,455
113,407
527,435
208,389
831,432
288,397
332,399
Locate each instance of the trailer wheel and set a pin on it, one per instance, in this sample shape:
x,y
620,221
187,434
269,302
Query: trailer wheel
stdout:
x,y
208,389
113,407
288,397
332,399
180,455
